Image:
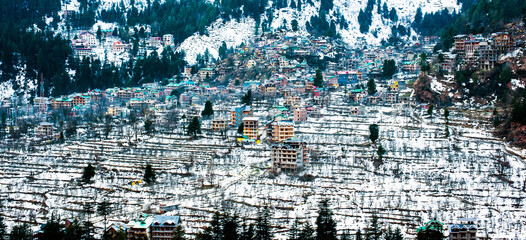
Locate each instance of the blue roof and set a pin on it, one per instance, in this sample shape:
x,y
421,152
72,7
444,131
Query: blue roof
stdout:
x,y
163,221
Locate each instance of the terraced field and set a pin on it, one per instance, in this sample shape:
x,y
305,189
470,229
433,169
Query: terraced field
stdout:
x,y
425,175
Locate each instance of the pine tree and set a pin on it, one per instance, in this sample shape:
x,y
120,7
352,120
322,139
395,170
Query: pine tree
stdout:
x,y
294,24
318,79
397,235
381,151
375,231
53,230
217,226
208,111
74,231
104,209
358,235
179,233
371,87
325,225
263,231
194,127
148,126
240,129
120,235
247,98
149,174
3,227
430,110
294,231
418,18
307,233
230,227
20,232
374,131
89,172
248,232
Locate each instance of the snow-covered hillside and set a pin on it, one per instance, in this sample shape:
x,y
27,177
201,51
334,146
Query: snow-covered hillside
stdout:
x,y
234,33
349,9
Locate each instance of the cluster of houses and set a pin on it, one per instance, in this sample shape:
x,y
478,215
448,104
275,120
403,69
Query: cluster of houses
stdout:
x,y
88,44
157,227
463,229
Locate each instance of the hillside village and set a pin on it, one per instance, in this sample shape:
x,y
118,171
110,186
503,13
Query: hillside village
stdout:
x,y
281,133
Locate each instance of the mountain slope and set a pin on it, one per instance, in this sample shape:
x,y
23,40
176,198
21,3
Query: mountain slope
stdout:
x,y
379,30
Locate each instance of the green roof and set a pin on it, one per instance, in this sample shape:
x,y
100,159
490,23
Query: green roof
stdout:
x,y
282,108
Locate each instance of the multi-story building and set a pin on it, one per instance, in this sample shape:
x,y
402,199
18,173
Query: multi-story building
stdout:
x,y
289,156
250,127
348,77
238,113
205,73
81,99
300,115
465,230
45,129
163,227
460,44
89,37
219,125
282,130
501,41
168,39
139,229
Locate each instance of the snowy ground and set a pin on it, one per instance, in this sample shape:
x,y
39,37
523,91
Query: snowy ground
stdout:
x,y
233,33
424,175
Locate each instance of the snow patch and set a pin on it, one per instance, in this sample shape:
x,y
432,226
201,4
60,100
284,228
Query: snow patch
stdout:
x,y
233,33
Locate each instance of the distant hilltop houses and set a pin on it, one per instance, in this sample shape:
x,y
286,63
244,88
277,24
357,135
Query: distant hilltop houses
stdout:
x,y
111,48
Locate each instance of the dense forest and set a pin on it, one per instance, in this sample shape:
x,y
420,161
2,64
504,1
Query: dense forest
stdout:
x,y
38,52
480,16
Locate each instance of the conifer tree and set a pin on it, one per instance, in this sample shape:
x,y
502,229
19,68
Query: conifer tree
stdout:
x,y
263,231
247,98
318,79
374,132
358,235
194,127
230,227
20,232
208,111
53,230
294,231
89,172
325,225
149,174
3,227
371,87
179,233
375,231
307,232
74,231
104,209
240,129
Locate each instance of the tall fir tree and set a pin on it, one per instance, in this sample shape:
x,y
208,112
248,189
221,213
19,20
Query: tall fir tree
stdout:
x,y
194,127
149,174
318,79
375,231
307,232
208,110
263,231
371,86
325,225
20,232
